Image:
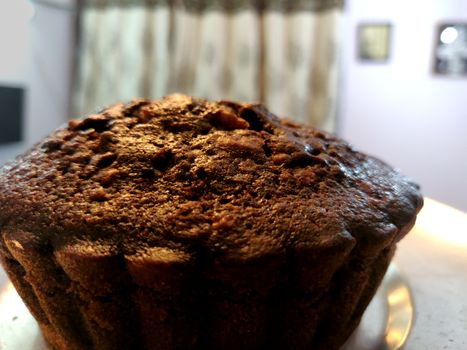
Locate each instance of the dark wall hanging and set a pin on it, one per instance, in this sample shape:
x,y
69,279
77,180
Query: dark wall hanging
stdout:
x,y
450,56
11,114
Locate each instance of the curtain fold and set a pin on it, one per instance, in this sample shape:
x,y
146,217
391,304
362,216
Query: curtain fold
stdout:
x,y
282,53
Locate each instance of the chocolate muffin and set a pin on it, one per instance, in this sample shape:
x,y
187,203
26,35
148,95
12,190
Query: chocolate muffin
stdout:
x,y
186,224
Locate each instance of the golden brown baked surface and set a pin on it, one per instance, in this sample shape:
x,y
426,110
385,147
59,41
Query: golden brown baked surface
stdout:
x,y
186,224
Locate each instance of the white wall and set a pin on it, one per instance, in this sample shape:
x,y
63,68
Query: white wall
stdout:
x,y
35,53
399,111
14,54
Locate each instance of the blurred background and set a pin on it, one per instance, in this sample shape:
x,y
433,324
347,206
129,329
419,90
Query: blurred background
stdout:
x,y
390,76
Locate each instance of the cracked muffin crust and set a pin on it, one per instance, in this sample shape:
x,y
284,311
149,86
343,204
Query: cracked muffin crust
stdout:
x,y
186,224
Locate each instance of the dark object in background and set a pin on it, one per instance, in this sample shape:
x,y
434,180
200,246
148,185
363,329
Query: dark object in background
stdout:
x,y
11,114
451,50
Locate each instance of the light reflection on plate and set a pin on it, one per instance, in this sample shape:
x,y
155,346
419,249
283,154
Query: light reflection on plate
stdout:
x,y
385,325
388,319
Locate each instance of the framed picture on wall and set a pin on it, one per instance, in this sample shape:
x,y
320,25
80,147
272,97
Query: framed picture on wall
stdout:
x,y
373,40
450,53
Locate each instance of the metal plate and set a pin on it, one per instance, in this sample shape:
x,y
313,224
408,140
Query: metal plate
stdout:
x,y
385,325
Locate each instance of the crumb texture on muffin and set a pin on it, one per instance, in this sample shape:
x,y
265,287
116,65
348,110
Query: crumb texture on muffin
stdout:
x,y
183,169
195,224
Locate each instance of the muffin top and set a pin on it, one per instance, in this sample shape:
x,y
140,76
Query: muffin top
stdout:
x,y
225,177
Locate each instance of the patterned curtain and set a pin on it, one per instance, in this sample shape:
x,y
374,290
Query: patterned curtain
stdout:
x,y
282,53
